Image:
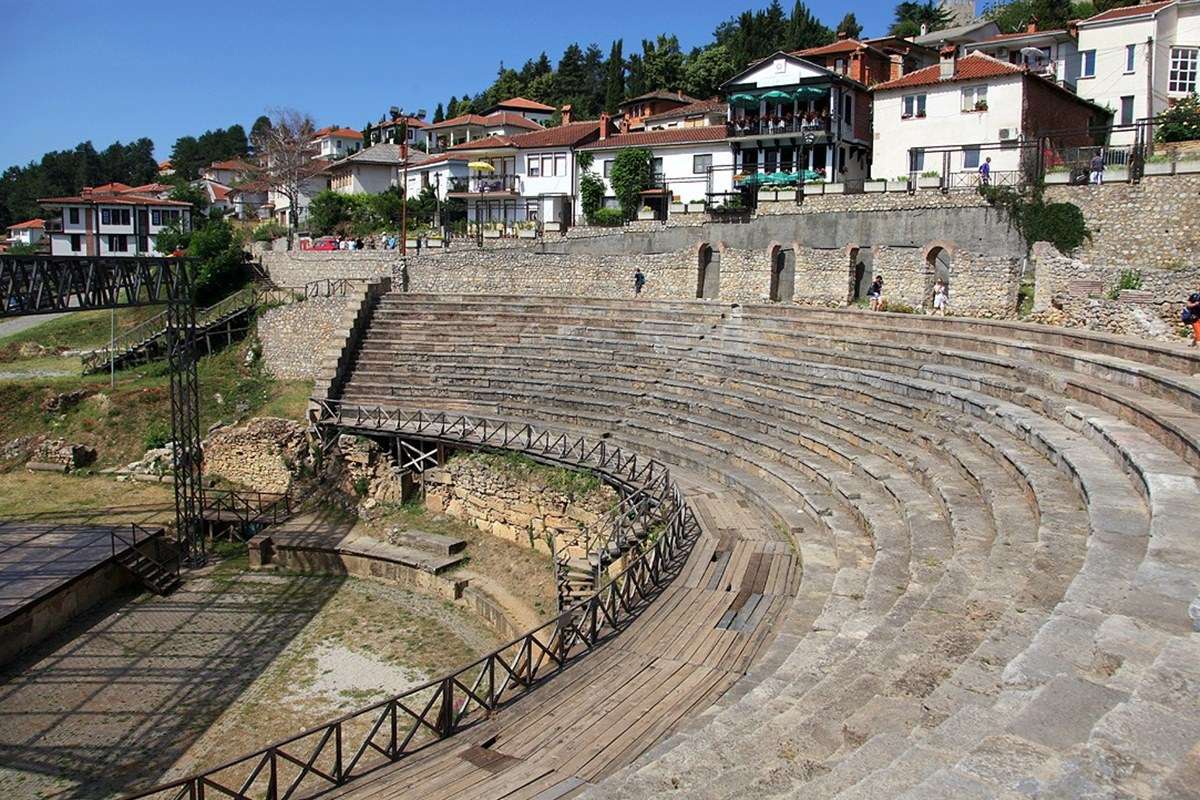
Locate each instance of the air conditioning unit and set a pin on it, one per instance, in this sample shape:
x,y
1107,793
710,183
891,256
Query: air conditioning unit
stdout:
x,y
1009,134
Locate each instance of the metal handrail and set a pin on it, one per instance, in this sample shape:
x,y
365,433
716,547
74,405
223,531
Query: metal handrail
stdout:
x,y
250,505
171,567
391,729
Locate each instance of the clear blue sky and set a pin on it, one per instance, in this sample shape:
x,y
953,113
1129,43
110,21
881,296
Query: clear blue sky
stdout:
x,y
78,70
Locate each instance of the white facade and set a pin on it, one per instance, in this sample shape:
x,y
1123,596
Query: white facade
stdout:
x,y
364,178
1137,63
684,168
337,143
949,118
310,189
114,228
25,233
438,175
1057,55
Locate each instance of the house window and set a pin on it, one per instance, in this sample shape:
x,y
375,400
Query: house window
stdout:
x,y
155,216
974,98
1130,52
701,164
143,244
1127,110
1183,69
916,159
913,105
117,243
76,243
607,168
1088,64
658,168
534,166
848,110
839,66
547,166
73,215
970,158
105,216
560,165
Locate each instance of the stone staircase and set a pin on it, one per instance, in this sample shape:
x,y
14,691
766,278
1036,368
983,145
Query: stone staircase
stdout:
x,y
991,518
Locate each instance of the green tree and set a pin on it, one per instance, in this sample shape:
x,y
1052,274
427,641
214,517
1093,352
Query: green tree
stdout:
x,y
1016,15
804,30
593,66
632,173
328,210
911,15
571,79
591,193
614,82
452,108
260,127
439,114
705,71
849,26
662,62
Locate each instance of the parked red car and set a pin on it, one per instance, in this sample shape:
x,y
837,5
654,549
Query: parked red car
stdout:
x,y
323,243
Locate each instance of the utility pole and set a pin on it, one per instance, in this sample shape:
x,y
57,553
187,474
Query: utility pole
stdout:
x,y
403,127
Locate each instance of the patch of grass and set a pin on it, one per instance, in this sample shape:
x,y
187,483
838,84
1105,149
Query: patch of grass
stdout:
x,y
24,493
77,331
571,482
1025,299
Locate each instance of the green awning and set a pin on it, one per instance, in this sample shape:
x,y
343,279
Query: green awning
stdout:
x,y
743,99
776,94
780,178
810,93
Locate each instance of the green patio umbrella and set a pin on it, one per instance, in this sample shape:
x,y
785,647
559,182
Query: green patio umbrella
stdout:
x,y
780,179
810,93
753,179
743,99
776,94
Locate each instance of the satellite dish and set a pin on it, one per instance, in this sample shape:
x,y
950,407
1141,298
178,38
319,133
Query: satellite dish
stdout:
x,y
1033,53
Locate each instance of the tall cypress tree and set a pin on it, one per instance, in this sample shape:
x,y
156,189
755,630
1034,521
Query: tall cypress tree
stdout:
x,y
614,84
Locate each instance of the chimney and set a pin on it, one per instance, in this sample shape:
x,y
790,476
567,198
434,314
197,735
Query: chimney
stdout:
x,y
896,66
947,63
605,121
566,114
1032,26
924,29
842,35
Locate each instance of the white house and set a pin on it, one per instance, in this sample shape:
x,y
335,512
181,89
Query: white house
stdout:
x,y
108,221
691,164
531,110
789,114
528,178
441,172
976,30
1051,53
336,142
980,105
316,182
386,130
1137,60
227,172
28,232
469,127
370,171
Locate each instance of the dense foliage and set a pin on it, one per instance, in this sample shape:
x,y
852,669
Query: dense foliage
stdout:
x,y
1060,224
592,82
64,172
219,249
361,214
591,193
607,217
1180,122
1016,15
632,173
191,154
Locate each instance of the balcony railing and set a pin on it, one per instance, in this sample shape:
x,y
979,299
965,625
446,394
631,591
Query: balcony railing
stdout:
x,y
764,126
485,184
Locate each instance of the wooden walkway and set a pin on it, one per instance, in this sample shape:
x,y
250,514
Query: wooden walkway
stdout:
x,y
684,652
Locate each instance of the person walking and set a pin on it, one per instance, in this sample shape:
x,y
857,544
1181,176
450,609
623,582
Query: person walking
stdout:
x,y
940,296
1191,315
639,280
985,172
1097,169
875,293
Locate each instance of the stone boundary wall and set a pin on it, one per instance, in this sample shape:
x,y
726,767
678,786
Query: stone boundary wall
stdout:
x,y
1056,273
263,454
292,334
1150,225
298,267
333,364
511,506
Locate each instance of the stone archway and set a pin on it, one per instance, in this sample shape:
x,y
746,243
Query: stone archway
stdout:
x,y
858,279
939,262
782,263
708,272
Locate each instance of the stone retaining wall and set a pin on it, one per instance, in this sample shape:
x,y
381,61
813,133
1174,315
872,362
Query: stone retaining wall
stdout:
x,y
261,455
513,504
1055,274
1154,224
298,267
291,335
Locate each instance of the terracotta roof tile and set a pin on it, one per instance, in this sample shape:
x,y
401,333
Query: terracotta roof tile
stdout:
x,y
233,164
31,224
678,97
342,133
708,133
524,103
1128,11
840,46
508,118
699,107
560,136
972,67
495,140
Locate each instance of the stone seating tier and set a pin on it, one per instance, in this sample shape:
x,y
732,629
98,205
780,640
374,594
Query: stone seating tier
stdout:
x,y
993,574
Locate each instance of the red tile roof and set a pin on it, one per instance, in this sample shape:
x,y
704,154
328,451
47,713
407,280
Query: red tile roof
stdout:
x,y
495,140
972,67
413,122
438,159
524,103
560,136
235,165
219,191
90,195
1128,11
343,133
708,133
840,46
699,107
34,224
109,188
508,118
678,97
165,164
151,188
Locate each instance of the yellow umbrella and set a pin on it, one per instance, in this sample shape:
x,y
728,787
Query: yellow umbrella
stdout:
x,y
482,166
